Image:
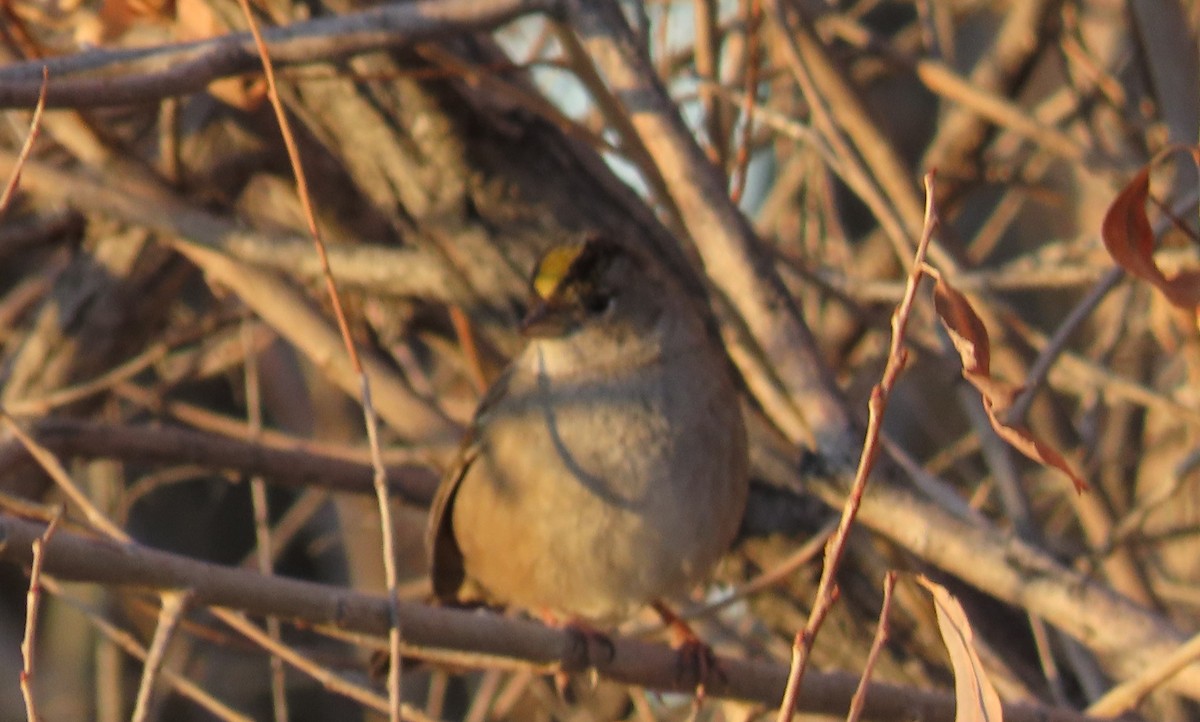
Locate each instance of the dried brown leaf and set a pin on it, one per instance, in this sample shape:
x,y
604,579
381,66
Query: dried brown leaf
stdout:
x,y
1129,238
970,339
966,330
975,697
1025,442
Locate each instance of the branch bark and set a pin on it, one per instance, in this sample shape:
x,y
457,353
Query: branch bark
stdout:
x,y
79,558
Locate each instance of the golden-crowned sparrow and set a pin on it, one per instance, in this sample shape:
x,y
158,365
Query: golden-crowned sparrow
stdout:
x,y
606,467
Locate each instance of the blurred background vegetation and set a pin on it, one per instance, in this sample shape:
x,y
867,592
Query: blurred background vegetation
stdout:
x,y
156,274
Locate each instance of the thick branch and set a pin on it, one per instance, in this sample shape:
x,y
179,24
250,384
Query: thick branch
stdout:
x,y
724,238
75,557
298,468
1127,636
118,77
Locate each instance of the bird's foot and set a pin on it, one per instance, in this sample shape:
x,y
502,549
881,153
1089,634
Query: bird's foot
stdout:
x,y
696,661
589,647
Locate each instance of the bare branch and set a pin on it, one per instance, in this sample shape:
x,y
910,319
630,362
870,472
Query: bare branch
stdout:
x,y
119,77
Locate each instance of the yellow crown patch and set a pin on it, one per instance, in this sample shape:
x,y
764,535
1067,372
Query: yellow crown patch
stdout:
x,y
553,267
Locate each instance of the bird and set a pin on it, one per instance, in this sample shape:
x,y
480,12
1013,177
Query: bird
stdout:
x,y
606,468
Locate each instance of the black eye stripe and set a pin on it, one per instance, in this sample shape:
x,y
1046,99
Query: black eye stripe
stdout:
x,y
595,256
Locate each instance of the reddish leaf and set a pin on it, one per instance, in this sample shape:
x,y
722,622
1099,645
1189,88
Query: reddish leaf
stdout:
x,y
1126,229
1129,238
1023,441
966,330
970,339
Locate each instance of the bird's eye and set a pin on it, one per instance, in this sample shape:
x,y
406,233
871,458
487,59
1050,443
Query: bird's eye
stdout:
x,y
598,303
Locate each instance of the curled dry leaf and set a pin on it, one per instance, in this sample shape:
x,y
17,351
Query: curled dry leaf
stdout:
x,y
970,339
974,696
1129,239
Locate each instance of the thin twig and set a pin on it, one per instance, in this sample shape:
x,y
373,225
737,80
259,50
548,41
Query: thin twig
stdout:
x,y
55,469
124,371
35,592
379,477
897,356
35,126
126,641
882,632
264,546
32,606
1125,696
174,604
740,174
466,339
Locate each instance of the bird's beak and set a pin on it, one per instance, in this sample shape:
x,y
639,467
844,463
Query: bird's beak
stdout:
x,y
546,319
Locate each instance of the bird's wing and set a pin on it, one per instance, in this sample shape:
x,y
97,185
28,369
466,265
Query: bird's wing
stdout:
x,y
446,564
